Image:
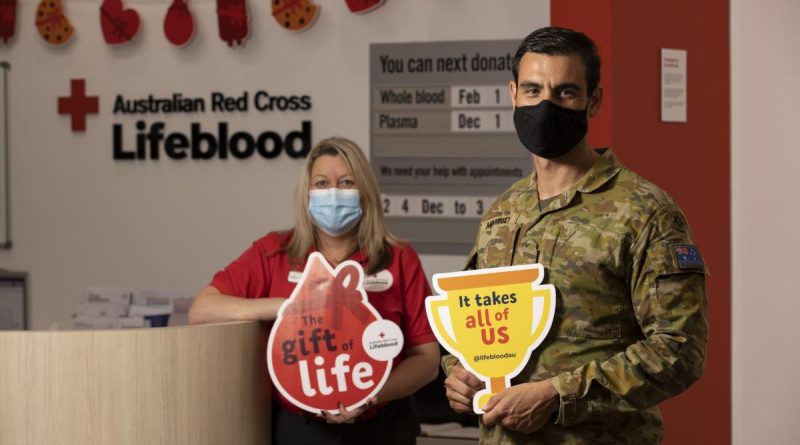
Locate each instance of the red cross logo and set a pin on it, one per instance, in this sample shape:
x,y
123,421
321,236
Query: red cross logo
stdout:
x,y
78,104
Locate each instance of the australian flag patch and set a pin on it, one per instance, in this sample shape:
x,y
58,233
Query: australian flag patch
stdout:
x,y
688,256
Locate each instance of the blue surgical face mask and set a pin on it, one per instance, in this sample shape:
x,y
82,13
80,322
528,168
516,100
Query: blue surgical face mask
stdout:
x,y
334,211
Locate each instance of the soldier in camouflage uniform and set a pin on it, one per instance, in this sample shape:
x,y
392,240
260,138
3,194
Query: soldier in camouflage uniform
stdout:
x,y
630,327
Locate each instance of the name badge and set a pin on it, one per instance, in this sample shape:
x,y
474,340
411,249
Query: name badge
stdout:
x,y
379,282
294,276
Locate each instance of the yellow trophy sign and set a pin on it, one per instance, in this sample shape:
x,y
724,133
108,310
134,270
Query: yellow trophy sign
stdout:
x,y
492,320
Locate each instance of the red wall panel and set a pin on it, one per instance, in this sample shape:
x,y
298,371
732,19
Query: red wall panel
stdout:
x,y
595,19
691,160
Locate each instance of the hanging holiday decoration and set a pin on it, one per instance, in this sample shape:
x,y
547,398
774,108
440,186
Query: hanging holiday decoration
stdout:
x,y
179,23
52,23
119,24
233,21
363,6
295,15
8,19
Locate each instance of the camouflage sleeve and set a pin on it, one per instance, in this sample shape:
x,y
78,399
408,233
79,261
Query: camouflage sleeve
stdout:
x,y
667,286
448,361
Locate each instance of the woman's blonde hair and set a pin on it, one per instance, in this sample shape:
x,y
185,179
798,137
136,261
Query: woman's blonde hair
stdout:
x,y
373,236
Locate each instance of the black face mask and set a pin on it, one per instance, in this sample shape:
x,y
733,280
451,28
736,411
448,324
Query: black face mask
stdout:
x,y
549,130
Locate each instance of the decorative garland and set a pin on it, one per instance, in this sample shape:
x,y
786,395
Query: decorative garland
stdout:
x,y
121,25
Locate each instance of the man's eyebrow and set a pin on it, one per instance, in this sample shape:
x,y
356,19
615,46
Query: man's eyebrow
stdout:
x,y
529,84
560,87
567,86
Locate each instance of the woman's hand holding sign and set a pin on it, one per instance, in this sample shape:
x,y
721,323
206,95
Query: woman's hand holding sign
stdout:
x,y
348,415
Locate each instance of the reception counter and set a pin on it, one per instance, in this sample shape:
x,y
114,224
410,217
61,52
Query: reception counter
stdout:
x,y
179,385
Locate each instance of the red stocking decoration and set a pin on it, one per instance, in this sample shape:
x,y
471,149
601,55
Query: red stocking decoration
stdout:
x,y
8,19
119,25
179,23
52,24
363,6
233,21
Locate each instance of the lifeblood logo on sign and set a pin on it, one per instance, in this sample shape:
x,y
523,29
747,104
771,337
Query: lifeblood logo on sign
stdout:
x,y
329,346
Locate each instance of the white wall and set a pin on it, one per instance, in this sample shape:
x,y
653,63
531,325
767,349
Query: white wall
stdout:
x,y
765,71
80,218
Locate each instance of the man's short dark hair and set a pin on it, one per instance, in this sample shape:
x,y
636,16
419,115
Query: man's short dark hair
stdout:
x,y
562,42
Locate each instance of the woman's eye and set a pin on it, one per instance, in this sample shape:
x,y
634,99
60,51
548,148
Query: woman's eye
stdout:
x,y
320,184
346,183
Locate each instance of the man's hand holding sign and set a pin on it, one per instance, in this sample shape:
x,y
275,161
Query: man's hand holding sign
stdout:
x,y
492,320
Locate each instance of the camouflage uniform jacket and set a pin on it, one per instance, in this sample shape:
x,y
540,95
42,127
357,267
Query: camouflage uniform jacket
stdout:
x,y
630,326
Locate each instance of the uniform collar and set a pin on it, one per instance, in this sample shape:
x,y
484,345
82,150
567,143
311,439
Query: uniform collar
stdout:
x,y
600,173
603,170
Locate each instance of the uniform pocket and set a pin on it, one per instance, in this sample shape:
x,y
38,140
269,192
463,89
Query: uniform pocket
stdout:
x,y
586,267
527,249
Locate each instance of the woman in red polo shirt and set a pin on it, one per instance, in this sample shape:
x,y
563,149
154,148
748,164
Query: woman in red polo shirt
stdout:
x,y
338,213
